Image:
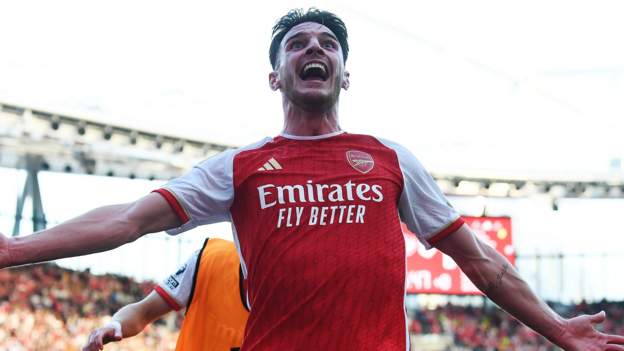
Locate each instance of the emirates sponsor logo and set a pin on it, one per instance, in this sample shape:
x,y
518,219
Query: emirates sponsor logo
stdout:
x,y
360,161
331,203
271,194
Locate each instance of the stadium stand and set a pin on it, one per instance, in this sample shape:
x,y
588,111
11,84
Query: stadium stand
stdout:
x,y
464,328
46,307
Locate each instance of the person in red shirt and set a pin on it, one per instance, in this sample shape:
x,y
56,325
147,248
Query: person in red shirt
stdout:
x,y
316,215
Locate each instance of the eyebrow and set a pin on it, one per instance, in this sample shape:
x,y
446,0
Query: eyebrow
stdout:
x,y
327,34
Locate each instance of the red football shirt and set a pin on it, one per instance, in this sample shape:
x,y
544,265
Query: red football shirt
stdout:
x,y
317,224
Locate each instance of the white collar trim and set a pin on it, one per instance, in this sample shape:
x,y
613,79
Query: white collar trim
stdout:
x,y
311,137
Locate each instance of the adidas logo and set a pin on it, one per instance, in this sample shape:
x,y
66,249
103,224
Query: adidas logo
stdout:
x,y
270,165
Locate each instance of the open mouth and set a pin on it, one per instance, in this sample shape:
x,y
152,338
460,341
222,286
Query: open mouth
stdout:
x,y
314,71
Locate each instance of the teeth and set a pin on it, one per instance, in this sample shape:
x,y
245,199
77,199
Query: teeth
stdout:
x,y
314,65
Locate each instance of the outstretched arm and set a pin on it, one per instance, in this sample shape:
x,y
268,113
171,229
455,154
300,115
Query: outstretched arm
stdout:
x,y
132,320
102,229
497,278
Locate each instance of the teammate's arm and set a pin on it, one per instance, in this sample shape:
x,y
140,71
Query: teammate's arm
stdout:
x,y
102,229
494,275
132,320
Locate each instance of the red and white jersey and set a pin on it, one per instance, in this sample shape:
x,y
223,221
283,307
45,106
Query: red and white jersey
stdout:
x,y
317,225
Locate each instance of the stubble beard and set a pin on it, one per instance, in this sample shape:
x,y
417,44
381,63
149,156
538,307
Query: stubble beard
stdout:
x,y
317,103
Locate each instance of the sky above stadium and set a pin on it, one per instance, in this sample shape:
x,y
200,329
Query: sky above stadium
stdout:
x,y
478,87
472,87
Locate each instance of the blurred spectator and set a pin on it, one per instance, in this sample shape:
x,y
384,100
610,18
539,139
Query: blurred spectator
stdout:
x,y
491,329
45,307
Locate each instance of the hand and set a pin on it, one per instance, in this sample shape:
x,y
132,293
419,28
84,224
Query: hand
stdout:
x,y
99,337
5,260
580,335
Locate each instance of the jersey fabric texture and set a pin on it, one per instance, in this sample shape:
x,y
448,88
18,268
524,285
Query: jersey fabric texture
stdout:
x,y
209,286
317,224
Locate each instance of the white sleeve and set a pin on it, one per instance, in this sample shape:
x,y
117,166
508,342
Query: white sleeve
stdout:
x,y
204,195
176,289
422,206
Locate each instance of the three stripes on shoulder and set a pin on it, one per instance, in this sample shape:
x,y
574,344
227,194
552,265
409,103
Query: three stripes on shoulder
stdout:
x,y
270,165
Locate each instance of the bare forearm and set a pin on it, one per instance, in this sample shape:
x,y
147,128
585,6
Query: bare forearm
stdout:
x,y
132,320
494,275
99,230
498,279
134,317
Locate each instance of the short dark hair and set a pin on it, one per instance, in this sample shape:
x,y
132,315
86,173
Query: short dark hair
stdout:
x,y
298,16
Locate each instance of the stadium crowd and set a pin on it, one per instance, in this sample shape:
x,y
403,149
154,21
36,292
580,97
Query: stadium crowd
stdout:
x,y
491,329
46,307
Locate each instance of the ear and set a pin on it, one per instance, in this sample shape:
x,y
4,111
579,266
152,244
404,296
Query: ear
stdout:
x,y
345,80
274,82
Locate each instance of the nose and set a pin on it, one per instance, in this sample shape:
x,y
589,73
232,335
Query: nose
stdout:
x,y
314,47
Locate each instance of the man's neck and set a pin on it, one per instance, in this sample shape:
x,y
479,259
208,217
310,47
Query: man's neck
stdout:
x,y
309,123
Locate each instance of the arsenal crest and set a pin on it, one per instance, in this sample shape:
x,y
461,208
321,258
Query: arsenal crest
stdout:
x,y
361,161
